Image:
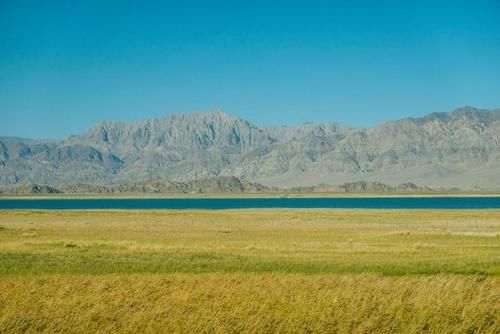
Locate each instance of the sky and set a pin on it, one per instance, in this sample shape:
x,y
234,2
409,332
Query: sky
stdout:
x,y
65,65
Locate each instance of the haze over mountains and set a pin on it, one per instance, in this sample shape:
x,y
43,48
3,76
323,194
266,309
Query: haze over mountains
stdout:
x,y
455,149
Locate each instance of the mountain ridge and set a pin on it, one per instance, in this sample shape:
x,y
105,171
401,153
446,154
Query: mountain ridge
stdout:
x,y
455,149
214,185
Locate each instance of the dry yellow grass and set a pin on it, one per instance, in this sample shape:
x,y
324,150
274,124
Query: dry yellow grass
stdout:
x,y
250,271
316,241
257,303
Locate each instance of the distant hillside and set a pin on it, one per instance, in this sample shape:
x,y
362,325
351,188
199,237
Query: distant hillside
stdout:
x,y
214,185
150,186
456,149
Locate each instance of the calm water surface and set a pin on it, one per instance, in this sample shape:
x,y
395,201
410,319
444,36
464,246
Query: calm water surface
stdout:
x,y
251,203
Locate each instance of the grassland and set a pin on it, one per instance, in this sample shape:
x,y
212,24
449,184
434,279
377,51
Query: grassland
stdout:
x,y
250,271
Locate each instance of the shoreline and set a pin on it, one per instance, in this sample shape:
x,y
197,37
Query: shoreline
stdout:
x,y
244,195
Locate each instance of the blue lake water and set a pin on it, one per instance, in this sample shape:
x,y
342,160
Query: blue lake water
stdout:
x,y
254,203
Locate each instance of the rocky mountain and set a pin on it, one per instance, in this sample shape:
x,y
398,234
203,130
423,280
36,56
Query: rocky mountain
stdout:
x,y
455,149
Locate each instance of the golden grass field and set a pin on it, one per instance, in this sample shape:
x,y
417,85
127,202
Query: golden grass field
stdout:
x,y
273,270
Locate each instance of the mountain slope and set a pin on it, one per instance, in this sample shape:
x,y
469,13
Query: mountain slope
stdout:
x,y
460,148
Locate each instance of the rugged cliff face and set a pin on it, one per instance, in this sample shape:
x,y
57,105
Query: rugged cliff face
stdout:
x,y
460,148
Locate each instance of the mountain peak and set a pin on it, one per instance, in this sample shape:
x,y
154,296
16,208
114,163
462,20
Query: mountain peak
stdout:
x,y
463,113
213,113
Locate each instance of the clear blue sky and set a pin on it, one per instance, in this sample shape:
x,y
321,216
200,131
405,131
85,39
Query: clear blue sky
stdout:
x,y
65,65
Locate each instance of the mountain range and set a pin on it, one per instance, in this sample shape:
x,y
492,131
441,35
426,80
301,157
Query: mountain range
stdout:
x,y
454,149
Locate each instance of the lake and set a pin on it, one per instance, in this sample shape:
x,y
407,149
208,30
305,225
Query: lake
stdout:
x,y
256,203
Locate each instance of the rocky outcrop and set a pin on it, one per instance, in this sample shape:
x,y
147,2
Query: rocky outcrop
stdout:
x,y
33,189
367,187
217,185
149,186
